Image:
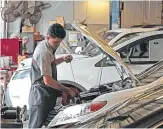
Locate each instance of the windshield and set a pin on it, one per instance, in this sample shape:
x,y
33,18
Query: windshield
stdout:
x,y
21,74
92,50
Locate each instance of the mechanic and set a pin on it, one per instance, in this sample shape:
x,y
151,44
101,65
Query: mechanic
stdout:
x,y
45,87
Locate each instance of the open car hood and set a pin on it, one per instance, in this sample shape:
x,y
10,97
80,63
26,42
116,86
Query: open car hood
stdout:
x,y
93,37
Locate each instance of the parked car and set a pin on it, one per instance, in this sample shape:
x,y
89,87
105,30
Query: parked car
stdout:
x,y
137,49
113,36
121,90
144,110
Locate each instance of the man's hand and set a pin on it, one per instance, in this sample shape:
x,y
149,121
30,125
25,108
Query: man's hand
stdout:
x,y
49,81
67,58
71,93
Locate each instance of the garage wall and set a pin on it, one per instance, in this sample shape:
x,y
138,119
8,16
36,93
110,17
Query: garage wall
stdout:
x,y
59,8
97,12
141,12
77,11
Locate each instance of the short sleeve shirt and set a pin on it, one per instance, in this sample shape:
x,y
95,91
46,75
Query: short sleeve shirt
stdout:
x,y
43,62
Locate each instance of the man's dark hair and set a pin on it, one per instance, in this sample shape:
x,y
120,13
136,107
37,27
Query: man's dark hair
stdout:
x,y
56,30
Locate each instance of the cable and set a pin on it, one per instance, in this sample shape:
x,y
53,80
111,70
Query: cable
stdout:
x,y
70,62
72,72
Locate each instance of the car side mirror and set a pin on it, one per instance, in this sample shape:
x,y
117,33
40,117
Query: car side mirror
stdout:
x,y
78,50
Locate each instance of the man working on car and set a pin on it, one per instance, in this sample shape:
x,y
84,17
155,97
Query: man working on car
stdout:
x,y
44,89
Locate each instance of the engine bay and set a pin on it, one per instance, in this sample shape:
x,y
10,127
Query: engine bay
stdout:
x,y
91,94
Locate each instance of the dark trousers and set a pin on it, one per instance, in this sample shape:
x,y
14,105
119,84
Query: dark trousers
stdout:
x,y
39,114
42,99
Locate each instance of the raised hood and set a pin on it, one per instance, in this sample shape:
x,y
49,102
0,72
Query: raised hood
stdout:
x,y
93,37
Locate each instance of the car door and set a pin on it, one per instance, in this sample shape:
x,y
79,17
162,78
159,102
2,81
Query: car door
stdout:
x,y
142,53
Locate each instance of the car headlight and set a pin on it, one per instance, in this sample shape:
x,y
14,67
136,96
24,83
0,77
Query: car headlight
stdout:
x,y
77,111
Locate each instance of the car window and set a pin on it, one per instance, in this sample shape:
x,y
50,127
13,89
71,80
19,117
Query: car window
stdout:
x,y
21,74
136,54
143,50
105,62
124,38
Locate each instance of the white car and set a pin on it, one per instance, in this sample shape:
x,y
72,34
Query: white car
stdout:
x,y
144,110
83,73
137,49
121,90
113,36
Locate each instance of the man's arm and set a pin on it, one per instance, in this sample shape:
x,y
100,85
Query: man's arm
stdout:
x,y
66,59
49,81
44,62
59,60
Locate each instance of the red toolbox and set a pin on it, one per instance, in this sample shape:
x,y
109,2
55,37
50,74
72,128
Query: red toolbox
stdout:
x,y
11,47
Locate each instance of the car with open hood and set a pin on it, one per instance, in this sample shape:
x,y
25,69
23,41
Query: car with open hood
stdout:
x,y
144,110
82,73
93,71
113,92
